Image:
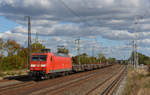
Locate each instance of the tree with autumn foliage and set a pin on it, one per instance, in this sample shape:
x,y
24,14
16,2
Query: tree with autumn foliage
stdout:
x,y
12,47
36,47
14,56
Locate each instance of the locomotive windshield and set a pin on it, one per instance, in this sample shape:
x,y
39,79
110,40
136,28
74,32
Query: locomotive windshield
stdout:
x,y
39,57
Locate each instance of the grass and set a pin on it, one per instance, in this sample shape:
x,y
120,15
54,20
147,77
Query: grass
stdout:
x,y
12,73
147,85
138,82
2,74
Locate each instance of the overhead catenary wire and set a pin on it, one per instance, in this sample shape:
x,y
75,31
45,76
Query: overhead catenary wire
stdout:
x,y
73,12
77,15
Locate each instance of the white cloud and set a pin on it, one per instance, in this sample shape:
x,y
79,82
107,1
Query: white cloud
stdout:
x,y
145,26
144,42
111,19
116,21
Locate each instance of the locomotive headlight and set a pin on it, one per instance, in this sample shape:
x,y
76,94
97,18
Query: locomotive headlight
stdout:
x,y
43,65
32,65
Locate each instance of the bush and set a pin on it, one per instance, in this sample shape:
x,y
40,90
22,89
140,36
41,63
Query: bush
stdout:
x,y
12,62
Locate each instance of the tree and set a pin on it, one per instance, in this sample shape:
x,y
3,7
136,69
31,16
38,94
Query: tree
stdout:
x,y
84,54
36,47
111,60
84,58
13,62
2,43
16,57
12,47
23,53
142,59
102,58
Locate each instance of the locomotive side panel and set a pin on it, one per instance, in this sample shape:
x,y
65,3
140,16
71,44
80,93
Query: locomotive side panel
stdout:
x,y
61,64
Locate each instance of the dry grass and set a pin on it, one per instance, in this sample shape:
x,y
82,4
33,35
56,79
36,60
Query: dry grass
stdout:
x,y
138,82
12,73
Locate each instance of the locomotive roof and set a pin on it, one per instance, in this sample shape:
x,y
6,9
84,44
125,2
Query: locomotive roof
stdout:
x,y
55,54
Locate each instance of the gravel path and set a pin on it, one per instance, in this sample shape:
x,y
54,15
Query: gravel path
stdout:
x,y
9,82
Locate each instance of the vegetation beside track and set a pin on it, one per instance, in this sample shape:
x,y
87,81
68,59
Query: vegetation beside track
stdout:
x,y
9,73
138,82
143,59
13,56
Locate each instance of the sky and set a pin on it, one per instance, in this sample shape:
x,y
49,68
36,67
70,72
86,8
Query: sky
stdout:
x,y
108,26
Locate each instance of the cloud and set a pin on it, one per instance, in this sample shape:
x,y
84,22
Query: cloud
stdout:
x,y
75,31
19,37
144,42
111,19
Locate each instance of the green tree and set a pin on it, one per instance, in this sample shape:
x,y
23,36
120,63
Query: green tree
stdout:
x,y
2,44
142,59
84,58
2,49
111,60
102,58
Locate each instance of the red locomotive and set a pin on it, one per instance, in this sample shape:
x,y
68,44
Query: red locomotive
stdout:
x,y
47,64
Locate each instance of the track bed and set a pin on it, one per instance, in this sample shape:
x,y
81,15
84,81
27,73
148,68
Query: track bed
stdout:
x,y
85,83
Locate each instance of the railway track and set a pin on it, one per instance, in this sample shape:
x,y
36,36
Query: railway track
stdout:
x,y
59,85
62,82
58,90
111,89
17,85
72,85
108,87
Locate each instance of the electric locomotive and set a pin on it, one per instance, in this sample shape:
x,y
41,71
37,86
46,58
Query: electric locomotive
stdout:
x,y
46,63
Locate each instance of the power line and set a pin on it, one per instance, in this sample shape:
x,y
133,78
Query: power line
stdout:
x,y
85,3
73,12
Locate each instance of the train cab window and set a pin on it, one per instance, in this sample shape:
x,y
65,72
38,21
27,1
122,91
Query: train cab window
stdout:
x,y
35,58
43,57
39,57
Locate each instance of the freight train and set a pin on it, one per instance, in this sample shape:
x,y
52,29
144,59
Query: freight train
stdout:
x,y
47,64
